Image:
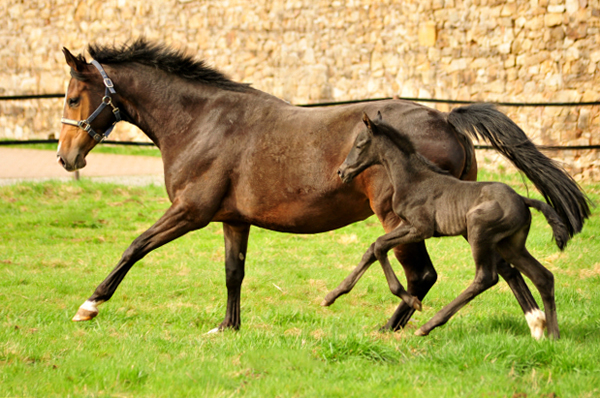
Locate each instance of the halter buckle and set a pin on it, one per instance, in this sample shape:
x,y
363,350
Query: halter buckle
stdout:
x,y
108,83
85,125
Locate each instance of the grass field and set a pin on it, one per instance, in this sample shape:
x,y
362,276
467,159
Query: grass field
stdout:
x,y
59,240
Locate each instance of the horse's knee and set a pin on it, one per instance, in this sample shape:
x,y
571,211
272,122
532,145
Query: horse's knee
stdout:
x,y
429,277
234,276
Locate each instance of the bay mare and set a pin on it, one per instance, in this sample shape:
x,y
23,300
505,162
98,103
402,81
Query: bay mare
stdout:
x,y
239,156
490,215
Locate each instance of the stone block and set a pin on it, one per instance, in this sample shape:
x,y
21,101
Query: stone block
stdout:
x,y
553,19
427,34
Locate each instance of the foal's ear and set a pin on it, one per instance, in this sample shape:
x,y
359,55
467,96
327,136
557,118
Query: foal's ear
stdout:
x,y
368,122
74,62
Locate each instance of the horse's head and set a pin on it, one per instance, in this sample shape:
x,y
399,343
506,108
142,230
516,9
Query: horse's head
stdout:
x,y
363,154
85,121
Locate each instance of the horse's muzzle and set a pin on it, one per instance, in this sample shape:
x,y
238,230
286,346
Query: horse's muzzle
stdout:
x,y
77,164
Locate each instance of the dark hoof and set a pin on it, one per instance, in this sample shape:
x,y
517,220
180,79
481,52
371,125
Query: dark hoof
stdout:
x,y
417,305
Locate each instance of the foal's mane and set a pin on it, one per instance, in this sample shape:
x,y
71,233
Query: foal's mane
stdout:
x,y
167,59
405,144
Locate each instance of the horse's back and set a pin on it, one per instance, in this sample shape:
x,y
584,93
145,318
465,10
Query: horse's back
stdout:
x,y
281,163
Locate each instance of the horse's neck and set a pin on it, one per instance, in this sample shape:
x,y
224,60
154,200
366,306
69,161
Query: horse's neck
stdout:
x,y
158,104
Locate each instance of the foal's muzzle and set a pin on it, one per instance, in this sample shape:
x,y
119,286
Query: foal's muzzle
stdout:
x,y
344,174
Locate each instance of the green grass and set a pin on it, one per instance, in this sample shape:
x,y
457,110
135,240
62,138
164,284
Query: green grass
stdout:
x,y
58,241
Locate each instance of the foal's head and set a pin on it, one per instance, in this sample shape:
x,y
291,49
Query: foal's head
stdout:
x,y
369,145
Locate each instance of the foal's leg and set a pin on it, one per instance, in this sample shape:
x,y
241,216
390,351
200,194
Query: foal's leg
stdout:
x,y
535,318
404,233
485,277
383,246
541,277
420,277
236,244
173,224
348,284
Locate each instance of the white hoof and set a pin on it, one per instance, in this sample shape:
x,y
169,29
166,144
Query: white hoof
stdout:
x,y
87,311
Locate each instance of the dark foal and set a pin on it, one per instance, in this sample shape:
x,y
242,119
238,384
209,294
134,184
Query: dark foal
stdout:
x,y
490,215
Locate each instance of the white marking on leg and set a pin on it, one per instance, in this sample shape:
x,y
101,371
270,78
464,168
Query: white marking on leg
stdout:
x,y
91,305
87,311
536,320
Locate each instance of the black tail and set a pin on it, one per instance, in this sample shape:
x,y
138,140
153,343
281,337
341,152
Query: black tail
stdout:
x,y
559,230
556,185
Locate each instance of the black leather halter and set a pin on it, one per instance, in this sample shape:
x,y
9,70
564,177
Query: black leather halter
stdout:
x,y
86,124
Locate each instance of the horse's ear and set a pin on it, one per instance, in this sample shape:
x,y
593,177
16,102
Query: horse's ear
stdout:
x,y
74,62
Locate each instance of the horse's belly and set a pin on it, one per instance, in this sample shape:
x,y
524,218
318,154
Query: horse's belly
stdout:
x,y
303,212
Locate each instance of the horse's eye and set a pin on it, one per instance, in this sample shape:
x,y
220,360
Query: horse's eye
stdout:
x,y
73,102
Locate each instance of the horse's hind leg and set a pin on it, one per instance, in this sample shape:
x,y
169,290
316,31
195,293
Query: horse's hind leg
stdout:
x,y
542,278
534,316
236,244
485,277
173,224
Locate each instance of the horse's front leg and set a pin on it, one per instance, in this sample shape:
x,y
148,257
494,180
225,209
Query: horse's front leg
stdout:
x,y
236,244
173,224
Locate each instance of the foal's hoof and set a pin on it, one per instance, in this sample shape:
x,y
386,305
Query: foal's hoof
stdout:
x,y
84,315
421,332
328,300
416,304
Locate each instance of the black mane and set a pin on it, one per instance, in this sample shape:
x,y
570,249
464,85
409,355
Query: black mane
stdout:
x,y
405,144
167,59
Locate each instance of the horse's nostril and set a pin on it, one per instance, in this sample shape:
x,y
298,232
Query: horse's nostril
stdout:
x,y
340,173
61,161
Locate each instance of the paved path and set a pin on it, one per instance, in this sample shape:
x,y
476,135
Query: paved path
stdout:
x,y
37,165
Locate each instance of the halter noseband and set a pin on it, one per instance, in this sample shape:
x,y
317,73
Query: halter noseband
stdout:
x,y
86,124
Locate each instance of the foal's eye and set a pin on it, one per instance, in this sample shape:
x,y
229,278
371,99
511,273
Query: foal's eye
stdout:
x,y
361,144
73,102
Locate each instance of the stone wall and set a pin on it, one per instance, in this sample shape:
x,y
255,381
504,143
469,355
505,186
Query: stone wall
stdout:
x,y
307,51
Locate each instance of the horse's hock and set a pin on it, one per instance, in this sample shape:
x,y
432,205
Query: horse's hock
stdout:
x,y
304,52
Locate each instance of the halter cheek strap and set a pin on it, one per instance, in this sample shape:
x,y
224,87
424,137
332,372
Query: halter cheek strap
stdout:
x,y
106,101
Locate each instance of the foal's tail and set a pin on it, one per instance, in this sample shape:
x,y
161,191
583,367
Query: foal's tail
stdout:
x,y
559,230
484,121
